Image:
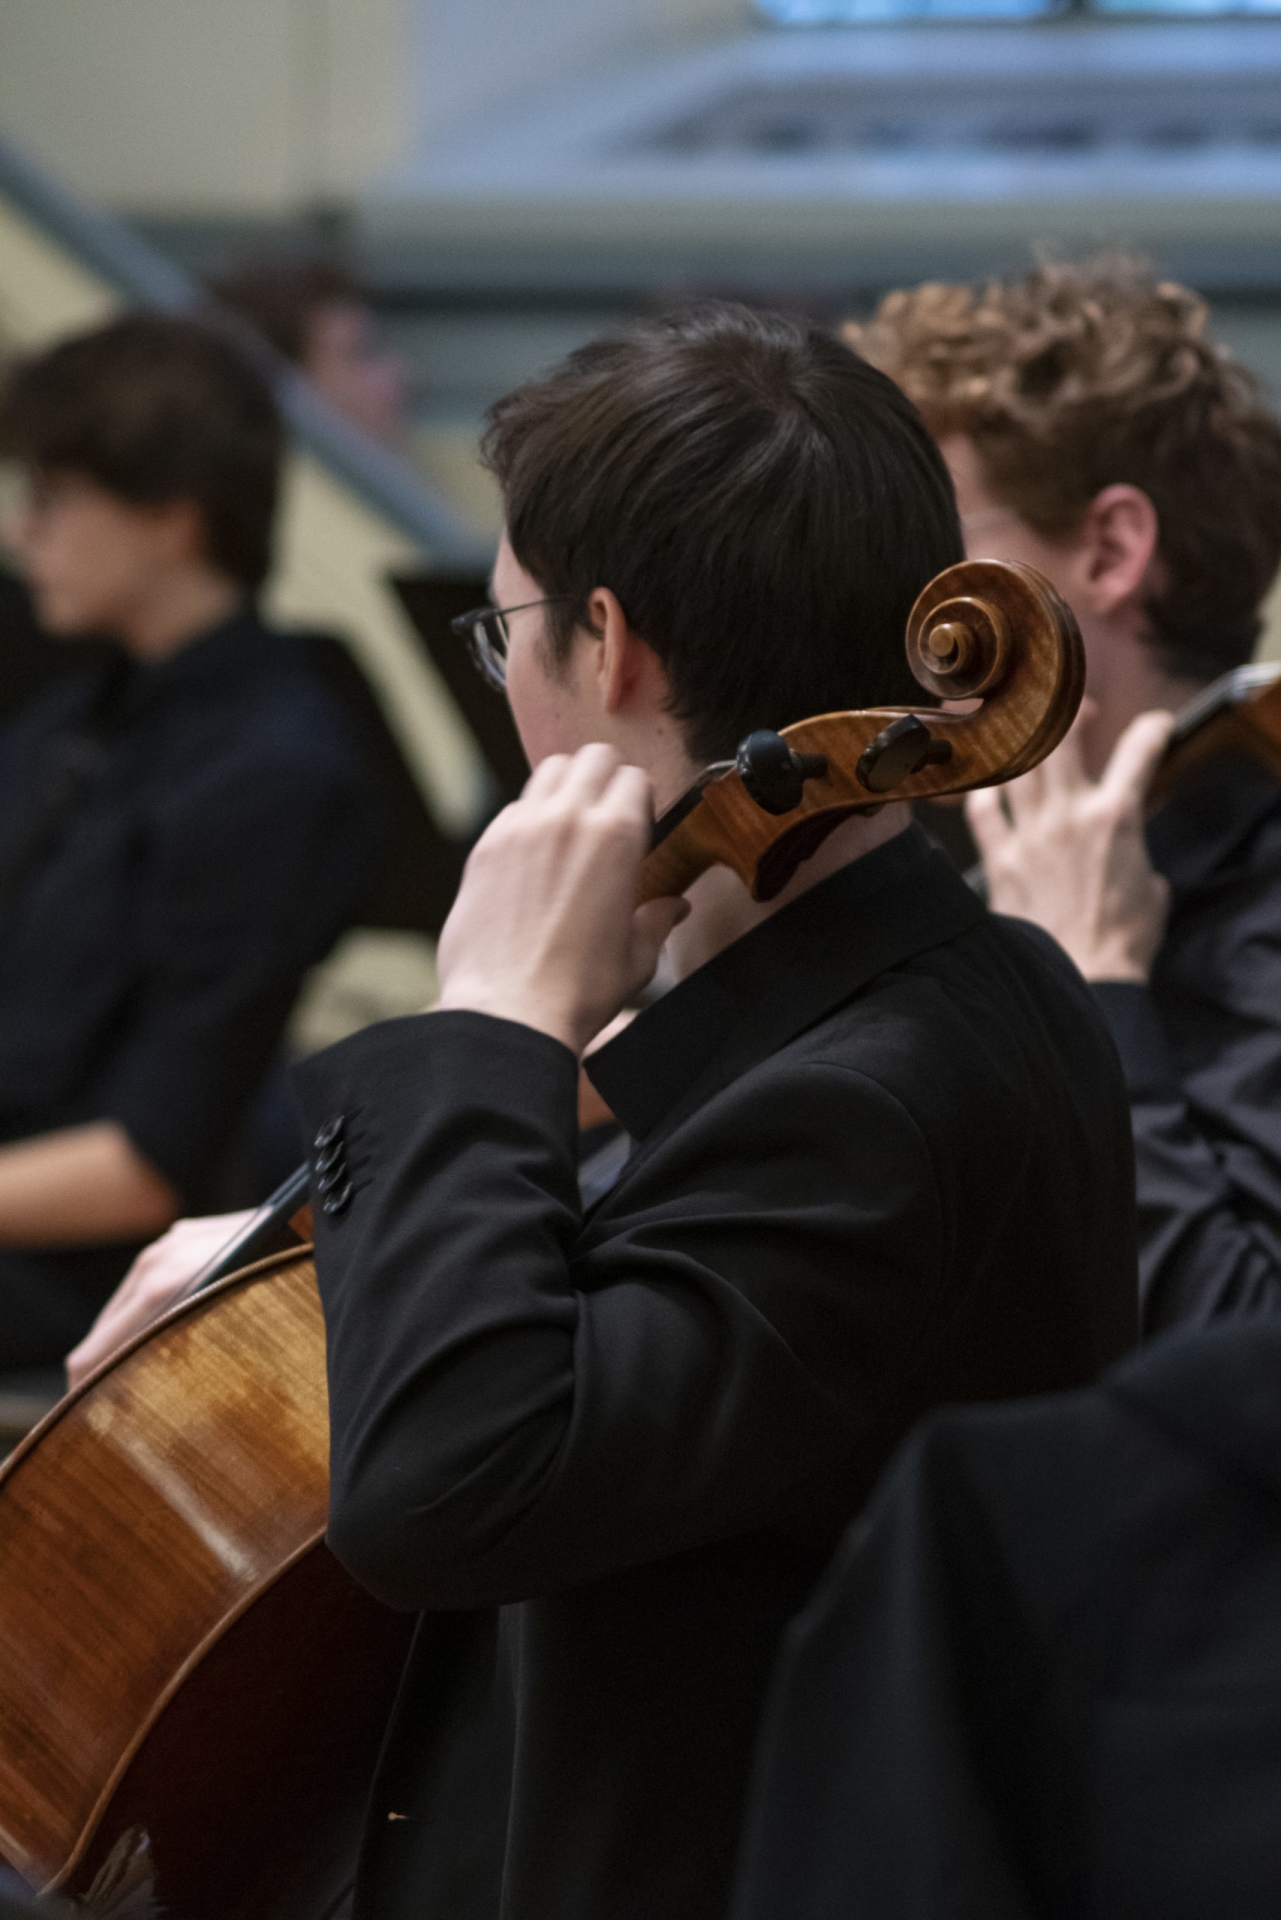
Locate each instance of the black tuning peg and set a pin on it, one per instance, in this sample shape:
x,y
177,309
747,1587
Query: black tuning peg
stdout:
x,y
773,775
905,747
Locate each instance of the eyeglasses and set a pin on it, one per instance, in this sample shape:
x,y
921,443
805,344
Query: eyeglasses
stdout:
x,y
488,636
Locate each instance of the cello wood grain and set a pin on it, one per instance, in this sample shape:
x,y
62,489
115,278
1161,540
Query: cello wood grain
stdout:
x,y
161,1545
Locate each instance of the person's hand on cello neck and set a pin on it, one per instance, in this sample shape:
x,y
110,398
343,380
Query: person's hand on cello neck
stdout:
x,y
1068,853
545,930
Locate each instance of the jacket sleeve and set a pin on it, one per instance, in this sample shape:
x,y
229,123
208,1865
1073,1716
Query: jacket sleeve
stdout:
x,y
248,882
902,1714
517,1401
1208,1176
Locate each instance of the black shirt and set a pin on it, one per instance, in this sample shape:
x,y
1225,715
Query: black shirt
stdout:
x,y
883,1160
1201,1049
217,842
1043,1678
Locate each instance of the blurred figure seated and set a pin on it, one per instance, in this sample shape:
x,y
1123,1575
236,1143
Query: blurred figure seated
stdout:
x,y
1042,1680
182,832
1096,432
317,314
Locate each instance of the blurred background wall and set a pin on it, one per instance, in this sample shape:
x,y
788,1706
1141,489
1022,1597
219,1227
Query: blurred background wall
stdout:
x,y
271,108
506,177
511,176
227,108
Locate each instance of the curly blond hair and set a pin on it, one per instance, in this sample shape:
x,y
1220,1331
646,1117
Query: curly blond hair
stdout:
x,y
1077,377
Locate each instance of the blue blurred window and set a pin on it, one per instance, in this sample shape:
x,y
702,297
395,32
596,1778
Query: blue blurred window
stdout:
x,y
839,13
829,13
1184,8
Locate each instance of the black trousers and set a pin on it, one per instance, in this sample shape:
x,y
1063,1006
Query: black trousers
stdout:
x,y
49,1300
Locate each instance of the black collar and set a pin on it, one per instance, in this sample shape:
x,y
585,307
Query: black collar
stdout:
x,y
782,977
238,645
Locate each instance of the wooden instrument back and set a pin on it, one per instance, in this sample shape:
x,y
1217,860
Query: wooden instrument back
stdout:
x,y
192,1691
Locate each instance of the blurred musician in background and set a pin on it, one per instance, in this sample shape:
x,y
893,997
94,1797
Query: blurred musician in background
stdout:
x,y
317,314
1095,430
182,832
321,315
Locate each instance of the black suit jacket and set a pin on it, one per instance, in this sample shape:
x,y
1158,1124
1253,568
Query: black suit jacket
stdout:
x,y
1201,1049
882,1160
1043,1679
212,830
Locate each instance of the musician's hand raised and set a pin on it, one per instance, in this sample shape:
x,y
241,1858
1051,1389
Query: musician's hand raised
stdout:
x,y
545,929
1068,852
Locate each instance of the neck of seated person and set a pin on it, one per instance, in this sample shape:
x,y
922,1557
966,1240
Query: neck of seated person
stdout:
x,y
183,606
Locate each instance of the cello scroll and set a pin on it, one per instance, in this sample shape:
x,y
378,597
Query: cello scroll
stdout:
x,y
990,631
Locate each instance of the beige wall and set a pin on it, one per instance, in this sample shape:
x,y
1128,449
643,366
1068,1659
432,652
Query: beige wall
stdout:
x,y
264,107
220,106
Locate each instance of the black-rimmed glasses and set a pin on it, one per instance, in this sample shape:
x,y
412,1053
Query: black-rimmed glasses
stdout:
x,y
488,636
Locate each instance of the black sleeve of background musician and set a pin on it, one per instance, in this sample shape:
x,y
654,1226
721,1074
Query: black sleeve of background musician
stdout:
x,y
1208,1175
248,885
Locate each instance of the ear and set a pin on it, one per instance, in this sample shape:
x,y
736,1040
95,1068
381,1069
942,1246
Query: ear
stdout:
x,y
630,677
1119,548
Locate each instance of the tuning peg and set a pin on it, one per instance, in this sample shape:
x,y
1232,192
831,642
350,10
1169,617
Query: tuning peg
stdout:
x,y
903,748
772,774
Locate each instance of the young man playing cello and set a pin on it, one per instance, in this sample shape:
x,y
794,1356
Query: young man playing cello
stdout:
x,y
881,1150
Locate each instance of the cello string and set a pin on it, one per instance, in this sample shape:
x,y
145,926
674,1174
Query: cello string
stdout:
x,y
203,1275
291,1193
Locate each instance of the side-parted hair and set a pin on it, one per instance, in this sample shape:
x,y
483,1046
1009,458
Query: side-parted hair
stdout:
x,y
1079,377
154,408
765,505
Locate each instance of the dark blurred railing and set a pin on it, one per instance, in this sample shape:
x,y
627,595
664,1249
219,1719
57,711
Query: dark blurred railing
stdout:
x,y
145,278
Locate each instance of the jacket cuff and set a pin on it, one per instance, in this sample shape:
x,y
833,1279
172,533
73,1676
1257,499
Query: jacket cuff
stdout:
x,y
1137,1033
388,1079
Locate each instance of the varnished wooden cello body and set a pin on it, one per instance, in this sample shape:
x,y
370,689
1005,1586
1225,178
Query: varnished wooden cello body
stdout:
x,y
192,1692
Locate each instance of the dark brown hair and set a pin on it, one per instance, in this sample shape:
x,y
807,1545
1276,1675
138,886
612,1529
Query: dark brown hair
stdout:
x,y
765,505
1075,378
281,298
155,408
